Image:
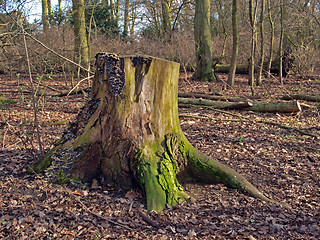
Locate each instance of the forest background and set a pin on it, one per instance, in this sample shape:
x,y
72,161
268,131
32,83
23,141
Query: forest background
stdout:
x,y
164,29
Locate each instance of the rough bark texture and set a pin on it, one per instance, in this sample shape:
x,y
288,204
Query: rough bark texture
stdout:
x,y
259,78
271,40
235,45
212,97
126,19
281,41
283,107
129,134
302,97
215,104
81,41
166,16
45,23
202,36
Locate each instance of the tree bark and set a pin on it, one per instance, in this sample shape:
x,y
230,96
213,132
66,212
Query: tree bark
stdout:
x,y
240,69
212,97
166,16
202,36
259,78
215,104
45,22
301,97
281,41
81,41
134,7
233,65
281,107
253,17
50,12
126,19
271,40
129,134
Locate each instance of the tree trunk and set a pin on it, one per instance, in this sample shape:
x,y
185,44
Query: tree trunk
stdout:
x,y
281,42
271,40
45,22
129,134
259,78
202,36
80,32
233,65
126,19
50,13
253,17
133,18
166,16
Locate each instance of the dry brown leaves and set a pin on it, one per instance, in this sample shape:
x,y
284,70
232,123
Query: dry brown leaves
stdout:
x,y
281,163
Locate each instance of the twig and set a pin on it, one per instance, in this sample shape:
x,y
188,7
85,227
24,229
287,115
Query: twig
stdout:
x,y
148,220
79,83
4,138
32,91
212,119
292,128
186,78
54,89
59,55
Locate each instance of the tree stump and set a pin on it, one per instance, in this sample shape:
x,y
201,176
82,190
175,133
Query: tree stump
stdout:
x,y
129,134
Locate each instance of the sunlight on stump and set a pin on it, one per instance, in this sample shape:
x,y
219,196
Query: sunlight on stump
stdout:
x,y
128,134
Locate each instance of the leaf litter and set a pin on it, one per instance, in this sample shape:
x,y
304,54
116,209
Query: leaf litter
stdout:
x,y
283,164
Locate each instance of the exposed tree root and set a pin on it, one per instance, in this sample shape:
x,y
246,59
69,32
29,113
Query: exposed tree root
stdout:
x,y
206,169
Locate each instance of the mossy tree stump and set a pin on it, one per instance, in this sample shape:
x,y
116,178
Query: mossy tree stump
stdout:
x,y
129,134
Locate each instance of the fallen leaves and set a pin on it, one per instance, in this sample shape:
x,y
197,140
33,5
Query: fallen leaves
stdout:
x,y
283,164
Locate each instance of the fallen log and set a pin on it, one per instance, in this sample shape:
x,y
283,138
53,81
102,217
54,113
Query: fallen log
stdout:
x,y
242,118
241,69
215,104
213,97
281,107
301,97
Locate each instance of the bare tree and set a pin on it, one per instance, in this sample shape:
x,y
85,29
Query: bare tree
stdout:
x,y
202,36
259,77
82,52
45,20
235,47
271,40
253,7
281,41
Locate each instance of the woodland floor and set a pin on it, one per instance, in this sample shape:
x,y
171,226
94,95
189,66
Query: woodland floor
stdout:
x,y
282,163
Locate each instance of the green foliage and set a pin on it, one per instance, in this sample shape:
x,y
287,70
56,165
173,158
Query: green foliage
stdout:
x,y
40,78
